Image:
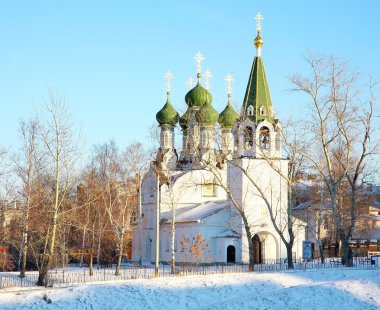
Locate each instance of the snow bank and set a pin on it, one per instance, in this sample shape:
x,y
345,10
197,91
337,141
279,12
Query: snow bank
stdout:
x,y
314,289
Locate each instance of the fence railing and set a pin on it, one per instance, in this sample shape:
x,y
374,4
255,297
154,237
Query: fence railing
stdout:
x,y
82,276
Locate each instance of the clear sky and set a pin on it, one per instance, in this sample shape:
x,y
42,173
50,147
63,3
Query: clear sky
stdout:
x,y
108,58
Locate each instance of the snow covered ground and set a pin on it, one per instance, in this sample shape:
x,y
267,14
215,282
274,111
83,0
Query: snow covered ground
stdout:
x,y
312,289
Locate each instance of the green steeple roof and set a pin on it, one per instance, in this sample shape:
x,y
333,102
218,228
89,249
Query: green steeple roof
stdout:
x,y
167,115
207,115
228,116
257,94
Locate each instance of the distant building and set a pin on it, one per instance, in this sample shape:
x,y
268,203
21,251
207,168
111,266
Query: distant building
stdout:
x,y
366,234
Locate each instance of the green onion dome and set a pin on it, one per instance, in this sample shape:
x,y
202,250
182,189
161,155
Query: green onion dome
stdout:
x,y
207,115
184,120
228,116
167,115
197,96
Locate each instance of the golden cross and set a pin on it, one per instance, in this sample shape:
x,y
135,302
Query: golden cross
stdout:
x,y
168,76
198,59
258,18
208,75
229,78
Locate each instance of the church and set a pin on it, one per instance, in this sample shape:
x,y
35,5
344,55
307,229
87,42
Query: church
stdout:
x,y
217,192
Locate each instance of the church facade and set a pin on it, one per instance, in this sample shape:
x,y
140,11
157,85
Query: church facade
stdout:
x,y
230,164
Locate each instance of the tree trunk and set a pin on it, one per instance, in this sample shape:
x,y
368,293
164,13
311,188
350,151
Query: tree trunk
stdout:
x,y
289,248
173,244
98,251
117,271
63,251
92,250
320,247
46,263
250,242
320,218
347,259
54,221
289,254
82,247
24,252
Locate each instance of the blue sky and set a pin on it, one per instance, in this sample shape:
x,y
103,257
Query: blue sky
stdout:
x,y
108,58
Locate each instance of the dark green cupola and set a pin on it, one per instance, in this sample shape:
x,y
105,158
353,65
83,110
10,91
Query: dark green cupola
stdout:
x,y
207,115
228,116
167,115
198,96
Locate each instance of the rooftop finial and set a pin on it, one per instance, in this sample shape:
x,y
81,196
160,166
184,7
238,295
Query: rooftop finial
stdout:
x,y
208,75
229,78
198,59
258,40
168,76
258,18
190,82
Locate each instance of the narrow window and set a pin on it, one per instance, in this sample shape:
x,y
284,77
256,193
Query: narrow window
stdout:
x,y
248,137
250,111
264,138
262,111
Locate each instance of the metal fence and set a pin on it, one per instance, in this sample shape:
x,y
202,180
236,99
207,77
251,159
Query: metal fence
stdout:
x,y
330,262
82,276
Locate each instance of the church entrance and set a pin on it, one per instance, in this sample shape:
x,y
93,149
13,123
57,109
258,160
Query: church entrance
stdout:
x,y
257,250
231,254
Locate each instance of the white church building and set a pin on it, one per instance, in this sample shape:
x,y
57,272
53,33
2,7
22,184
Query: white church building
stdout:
x,y
228,164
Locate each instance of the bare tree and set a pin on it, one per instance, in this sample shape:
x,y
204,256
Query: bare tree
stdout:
x,y
340,126
27,166
170,198
120,178
56,132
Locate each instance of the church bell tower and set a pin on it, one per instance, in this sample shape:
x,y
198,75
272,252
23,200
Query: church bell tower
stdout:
x,y
259,131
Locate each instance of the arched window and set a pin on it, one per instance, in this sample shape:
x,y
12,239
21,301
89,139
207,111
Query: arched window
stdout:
x,y
250,111
262,111
264,138
248,137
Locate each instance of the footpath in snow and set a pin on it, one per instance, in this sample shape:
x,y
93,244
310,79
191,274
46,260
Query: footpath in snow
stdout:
x,y
314,289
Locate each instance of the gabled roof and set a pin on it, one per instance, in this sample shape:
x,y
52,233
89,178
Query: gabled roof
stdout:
x,y
229,233
195,213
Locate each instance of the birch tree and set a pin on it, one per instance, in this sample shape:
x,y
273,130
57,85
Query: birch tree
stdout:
x,y
27,164
56,132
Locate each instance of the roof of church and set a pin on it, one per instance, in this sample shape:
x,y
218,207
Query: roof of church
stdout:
x,y
257,93
167,115
228,116
207,115
198,96
195,213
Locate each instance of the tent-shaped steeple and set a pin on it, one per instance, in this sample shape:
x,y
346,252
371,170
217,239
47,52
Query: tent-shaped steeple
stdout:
x,y
257,104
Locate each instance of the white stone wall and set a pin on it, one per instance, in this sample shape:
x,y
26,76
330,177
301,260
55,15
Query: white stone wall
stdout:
x,y
274,189
188,191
